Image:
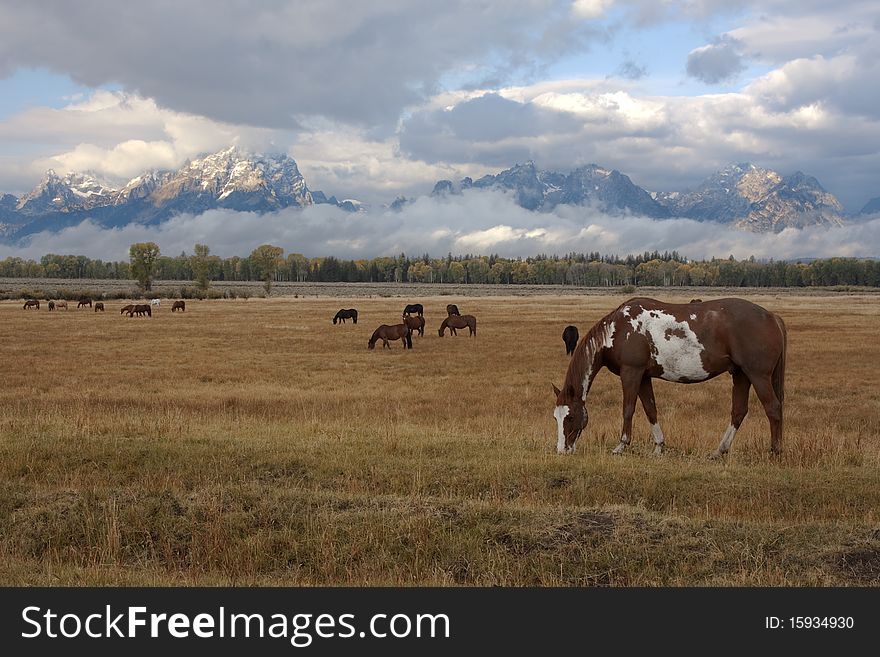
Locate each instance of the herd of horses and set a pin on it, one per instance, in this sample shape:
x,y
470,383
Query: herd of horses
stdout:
x,y
641,340
131,310
413,321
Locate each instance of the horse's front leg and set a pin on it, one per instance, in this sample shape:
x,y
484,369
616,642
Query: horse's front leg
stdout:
x,y
646,395
630,380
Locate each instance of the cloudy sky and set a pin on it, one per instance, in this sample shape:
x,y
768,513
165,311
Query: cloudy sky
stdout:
x,y
384,98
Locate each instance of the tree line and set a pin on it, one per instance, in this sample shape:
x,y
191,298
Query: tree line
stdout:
x,y
269,264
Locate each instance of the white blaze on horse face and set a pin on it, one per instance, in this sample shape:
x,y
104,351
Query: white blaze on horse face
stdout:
x,y
560,414
675,345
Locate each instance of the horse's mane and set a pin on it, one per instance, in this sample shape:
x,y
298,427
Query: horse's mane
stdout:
x,y
584,355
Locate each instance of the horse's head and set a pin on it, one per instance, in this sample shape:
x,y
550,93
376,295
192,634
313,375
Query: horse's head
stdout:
x,y
571,418
334,319
371,344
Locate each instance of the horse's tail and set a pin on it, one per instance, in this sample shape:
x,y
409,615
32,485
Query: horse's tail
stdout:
x,y
778,377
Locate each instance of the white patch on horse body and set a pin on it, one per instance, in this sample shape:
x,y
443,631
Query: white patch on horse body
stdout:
x,y
560,414
693,316
678,355
657,432
625,311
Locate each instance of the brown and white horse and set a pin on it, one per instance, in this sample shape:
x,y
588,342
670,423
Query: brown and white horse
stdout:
x,y
645,339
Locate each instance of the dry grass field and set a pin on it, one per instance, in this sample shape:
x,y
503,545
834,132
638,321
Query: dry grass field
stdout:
x,y
253,442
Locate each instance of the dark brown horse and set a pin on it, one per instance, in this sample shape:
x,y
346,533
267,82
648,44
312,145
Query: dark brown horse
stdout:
x,y
140,310
459,322
180,304
99,305
414,309
570,338
452,309
644,339
346,313
51,305
415,324
84,301
31,303
126,309
394,332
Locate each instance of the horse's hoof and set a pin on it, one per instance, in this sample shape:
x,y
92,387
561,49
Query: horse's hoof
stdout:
x,y
658,450
716,455
617,451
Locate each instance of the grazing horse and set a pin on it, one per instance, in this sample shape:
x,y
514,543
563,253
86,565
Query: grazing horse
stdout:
x,y
459,322
84,301
99,305
155,302
51,305
31,303
395,332
140,310
570,338
415,324
346,313
644,339
127,309
414,308
452,309
696,301
180,304
61,304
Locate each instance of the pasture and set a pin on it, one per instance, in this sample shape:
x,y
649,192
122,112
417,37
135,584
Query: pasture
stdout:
x,y
254,442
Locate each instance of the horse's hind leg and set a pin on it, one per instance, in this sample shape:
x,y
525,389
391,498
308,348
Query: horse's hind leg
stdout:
x,y
646,395
773,408
630,379
739,407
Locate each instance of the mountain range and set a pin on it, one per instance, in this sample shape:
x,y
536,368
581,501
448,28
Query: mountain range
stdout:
x,y
230,179
744,195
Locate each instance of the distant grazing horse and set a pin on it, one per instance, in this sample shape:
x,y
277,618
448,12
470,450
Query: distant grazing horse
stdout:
x,y
84,301
414,309
395,332
31,303
180,304
61,304
645,339
570,338
459,322
51,305
452,309
344,314
696,301
140,310
99,305
155,302
415,324
127,309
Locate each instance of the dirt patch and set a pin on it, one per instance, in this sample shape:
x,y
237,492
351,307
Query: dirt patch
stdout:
x,y
862,564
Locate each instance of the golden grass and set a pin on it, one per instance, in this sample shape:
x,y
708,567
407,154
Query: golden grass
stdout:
x,y
253,442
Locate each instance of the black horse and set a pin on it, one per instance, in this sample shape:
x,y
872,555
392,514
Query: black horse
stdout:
x,y
570,337
414,308
344,314
452,309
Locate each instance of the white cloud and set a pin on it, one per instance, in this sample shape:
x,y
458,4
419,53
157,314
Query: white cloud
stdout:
x,y
477,221
589,9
